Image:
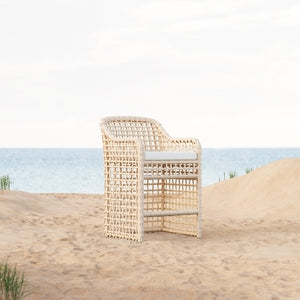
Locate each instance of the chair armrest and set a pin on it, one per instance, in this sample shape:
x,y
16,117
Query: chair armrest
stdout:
x,y
123,148
184,144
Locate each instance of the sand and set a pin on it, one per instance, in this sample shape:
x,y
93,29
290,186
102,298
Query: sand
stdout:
x,y
250,247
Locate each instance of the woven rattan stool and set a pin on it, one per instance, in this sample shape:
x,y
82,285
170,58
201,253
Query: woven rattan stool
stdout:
x,y
152,182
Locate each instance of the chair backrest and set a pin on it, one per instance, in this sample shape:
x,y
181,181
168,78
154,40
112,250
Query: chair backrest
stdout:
x,y
149,131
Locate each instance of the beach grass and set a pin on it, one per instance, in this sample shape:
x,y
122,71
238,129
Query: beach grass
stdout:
x,y
232,174
248,170
13,285
5,183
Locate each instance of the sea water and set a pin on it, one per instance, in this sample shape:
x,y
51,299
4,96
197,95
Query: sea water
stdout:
x,y
81,170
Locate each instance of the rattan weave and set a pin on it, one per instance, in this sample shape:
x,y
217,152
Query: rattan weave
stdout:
x,y
148,195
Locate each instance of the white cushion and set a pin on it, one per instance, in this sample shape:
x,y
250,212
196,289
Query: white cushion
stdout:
x,y
170,155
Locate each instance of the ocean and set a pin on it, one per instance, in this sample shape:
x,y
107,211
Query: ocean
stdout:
x,y
81,170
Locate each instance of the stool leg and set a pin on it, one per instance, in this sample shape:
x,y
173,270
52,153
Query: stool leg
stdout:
x,y
199,188
162,202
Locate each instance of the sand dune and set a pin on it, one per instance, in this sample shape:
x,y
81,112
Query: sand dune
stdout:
x,y
16,203
272,191
249,250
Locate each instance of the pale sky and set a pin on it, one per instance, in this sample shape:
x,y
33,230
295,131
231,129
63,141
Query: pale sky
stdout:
x,y
225,72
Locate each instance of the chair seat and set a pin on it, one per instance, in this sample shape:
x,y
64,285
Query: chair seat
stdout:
x,y
170,155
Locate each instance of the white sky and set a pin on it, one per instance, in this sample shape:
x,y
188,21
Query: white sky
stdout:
x,y
225,72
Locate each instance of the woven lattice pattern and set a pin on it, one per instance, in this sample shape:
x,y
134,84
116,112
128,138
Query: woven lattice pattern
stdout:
x,y
143,195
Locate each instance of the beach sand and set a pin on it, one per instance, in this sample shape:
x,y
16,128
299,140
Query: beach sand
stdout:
x,y
250,247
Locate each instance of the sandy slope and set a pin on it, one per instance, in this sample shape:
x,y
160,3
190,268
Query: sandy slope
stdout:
x,y
250,247
272,191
